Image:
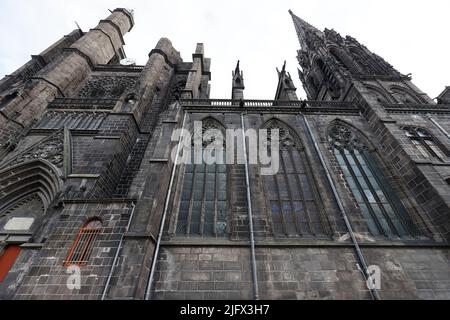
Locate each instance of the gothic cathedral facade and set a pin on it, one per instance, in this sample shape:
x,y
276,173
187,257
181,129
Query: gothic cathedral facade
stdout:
x,y
89,186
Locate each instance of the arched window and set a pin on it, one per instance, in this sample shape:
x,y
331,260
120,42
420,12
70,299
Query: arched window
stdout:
x,y
291,193
313,86
428,145
342,58
378,94
329,79
381,208
203,209
84,243
404,96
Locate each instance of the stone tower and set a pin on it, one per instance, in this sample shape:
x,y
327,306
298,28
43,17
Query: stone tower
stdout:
x,y
93,186
341,69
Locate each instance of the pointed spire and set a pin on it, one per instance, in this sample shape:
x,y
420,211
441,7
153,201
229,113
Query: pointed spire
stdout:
x,y
238,70
305,30
285,88
238,86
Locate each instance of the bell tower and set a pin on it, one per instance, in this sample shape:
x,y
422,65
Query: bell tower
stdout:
x,y
340,69
331,64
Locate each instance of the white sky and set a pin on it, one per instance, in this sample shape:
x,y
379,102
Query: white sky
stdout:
x,y
412,35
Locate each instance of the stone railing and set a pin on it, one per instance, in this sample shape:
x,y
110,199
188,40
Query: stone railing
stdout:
x,y
118,68
261,103
416,107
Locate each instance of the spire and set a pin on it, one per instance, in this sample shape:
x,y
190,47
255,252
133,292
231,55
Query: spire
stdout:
x,y
238,86
238,70
285,88
305,31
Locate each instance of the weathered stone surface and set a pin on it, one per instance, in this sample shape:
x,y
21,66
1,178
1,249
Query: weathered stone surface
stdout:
x,y
112,161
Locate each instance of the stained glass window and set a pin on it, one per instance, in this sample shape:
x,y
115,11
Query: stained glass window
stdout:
x,y
291,192
380,207
203,208
428,146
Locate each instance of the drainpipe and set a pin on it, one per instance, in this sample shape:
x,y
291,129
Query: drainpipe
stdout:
x,y
111,272
362,260
439,127
250,214
148,293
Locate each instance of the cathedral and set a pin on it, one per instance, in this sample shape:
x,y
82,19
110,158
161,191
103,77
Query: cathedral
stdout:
x,y
95,203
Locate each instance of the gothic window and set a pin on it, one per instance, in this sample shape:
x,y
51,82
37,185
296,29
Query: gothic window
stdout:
x,y
378,94
343,59
428,146
404,96
291,193
313,86
8,257
203,209
381,208
82,247
329,79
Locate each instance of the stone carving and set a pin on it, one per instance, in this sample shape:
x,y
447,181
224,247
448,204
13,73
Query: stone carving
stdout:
x,y
50,149
341,135
208,125
107,87
287,140
334,36
72,120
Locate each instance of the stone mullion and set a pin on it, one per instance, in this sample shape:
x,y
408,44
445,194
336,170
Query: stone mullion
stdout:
x,y
299,231
216,200
352,173
280,203
299,184
203,209
397,213
191,202
383,210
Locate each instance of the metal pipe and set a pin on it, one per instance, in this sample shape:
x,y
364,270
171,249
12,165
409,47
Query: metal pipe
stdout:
x,y
440,127
148,292
250,214
362,260
111,272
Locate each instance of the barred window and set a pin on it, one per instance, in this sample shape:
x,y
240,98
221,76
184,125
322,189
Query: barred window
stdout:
x,y
203,209
291,193
381,208
428,146
82,247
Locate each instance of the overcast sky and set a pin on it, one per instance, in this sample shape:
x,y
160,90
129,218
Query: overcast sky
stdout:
x,y
412,35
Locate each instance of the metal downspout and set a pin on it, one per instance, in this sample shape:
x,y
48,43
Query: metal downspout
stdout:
x,y
374,292
148,293
250,214
111,272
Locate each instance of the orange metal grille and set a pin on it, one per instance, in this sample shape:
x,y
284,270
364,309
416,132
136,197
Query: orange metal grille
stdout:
x,y
82,247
